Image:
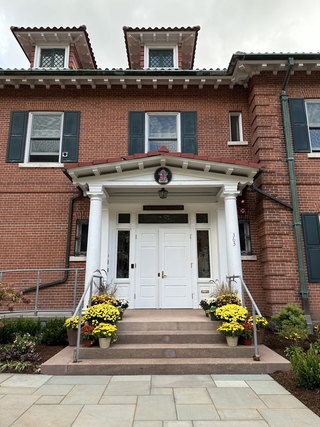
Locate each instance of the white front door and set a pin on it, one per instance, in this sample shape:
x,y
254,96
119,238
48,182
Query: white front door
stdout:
x,y
163,274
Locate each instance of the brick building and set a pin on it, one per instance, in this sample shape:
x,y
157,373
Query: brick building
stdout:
x,y
165,176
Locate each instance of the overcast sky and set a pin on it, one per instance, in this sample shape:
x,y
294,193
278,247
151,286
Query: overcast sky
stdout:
x,y
227,26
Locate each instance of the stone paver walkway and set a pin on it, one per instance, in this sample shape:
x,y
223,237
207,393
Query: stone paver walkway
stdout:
x,y
149,401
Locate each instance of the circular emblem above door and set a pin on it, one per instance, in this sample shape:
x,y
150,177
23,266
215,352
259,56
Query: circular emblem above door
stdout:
x,y
163,175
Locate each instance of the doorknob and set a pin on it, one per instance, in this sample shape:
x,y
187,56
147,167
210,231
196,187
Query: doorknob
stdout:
x,y
163,275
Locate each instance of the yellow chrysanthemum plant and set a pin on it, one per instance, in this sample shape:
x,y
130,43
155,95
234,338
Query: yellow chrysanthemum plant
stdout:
x,y
105,330
231,329
69,324
232,313
261,322
101,313
103,299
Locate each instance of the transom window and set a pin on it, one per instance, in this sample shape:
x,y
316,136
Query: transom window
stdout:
x,y
163,129
313,116
160,58
45,135
52,58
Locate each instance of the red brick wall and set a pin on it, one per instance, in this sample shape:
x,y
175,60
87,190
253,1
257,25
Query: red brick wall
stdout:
x,y
35,202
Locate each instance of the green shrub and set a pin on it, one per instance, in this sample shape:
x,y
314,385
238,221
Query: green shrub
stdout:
x,y
7,331
21,326
54,332
307,367
291,323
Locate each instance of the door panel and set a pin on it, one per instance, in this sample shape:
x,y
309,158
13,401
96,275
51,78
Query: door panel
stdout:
x,y
147,269
163,252
175,262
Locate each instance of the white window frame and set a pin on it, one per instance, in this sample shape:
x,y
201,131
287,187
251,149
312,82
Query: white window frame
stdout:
x,y
239,115
166,47
316,151
37,55
28,138
178,121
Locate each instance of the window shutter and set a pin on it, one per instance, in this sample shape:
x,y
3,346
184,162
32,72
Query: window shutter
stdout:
x,y
300,131
17,136
70,136
189,138
136,132
311,232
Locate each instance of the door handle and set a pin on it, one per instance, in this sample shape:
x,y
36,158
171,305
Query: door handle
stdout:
x,y
163,275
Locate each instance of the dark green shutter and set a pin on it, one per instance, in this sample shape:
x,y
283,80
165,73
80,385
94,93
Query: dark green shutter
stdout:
x,y
311,232
70,136
300,131
189,138
17,136
136,132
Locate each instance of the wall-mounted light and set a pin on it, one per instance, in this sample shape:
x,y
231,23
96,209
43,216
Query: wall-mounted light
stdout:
x,y
163,193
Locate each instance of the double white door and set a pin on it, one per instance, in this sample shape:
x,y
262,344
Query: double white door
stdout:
x,y
163,268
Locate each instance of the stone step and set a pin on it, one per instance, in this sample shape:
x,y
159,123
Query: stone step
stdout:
x,y
149,325
158,351
170,337
62,364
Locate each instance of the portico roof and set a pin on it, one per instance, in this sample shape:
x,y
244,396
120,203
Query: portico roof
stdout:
x,y
194,176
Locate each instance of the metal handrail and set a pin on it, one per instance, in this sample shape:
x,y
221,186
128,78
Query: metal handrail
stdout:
x,y
79,309
255,310
39,271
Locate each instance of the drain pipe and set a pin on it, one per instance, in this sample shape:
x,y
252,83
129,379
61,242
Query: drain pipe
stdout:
x,y
68,245
303,291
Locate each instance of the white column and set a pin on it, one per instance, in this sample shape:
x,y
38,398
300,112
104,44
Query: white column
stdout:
x,y
232,236
94,237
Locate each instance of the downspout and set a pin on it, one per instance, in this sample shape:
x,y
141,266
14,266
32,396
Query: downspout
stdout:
x,y
303,291
68,245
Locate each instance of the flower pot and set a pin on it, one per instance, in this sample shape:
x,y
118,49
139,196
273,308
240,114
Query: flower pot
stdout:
x,y
260,335
72,336
104,342
232,341
87,343
246,341
213,316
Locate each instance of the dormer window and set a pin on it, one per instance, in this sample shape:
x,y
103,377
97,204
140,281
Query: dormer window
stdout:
x,y
161,57
51,57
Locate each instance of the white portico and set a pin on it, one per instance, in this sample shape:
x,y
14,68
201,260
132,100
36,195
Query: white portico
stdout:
x,y
162,252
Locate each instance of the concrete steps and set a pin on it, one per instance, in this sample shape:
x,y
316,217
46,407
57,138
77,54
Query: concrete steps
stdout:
x,y
160,342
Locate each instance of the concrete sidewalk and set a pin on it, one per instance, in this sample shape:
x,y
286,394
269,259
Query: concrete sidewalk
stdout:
x,y
149,401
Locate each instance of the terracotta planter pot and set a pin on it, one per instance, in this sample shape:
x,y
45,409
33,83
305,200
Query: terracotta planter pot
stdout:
x,y
247,341
72,336
260,335
87,343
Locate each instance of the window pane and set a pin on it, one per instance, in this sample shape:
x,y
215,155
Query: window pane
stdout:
x,y
154,145
124,218
313,110
202,218
315,139
245,240
234,123
163,218
160,58
44,146
123,254
203,253
81,237
52,58
46,126
162,126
